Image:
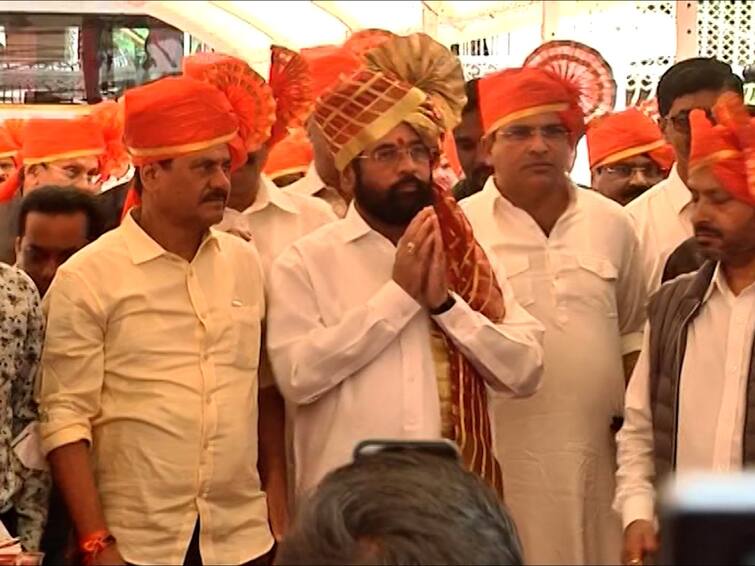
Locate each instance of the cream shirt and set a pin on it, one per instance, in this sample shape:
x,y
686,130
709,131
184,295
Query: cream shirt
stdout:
x,y
353,351
711,400
662,218
311,185
153,360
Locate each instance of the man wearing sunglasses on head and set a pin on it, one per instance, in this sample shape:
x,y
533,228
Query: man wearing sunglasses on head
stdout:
x,y
662,215
628,155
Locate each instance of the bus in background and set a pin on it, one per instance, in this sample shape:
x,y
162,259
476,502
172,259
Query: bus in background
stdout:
x,y
50,63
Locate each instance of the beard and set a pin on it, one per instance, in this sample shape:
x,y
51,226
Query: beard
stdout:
x,y
397,205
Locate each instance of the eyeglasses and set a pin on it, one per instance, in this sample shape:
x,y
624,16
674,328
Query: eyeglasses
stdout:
x,y
626,171
391,155
681,120
552,132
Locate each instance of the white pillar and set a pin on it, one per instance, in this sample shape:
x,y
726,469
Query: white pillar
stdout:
x,y
686,29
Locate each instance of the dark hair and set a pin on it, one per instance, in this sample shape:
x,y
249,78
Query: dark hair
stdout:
x,y
402,507
694,75
473,98
62,200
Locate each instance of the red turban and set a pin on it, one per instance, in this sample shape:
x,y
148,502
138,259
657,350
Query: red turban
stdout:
x,y
618,136
292,155
513,94
728,147
327,63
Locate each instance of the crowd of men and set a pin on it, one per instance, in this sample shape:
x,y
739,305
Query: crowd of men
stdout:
x,y
189,354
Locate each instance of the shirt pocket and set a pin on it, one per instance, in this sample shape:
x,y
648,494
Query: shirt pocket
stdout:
x,y
591,282
247,329
520,278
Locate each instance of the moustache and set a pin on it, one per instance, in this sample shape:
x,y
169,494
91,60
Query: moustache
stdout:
x,y
705,229
215,195
410,183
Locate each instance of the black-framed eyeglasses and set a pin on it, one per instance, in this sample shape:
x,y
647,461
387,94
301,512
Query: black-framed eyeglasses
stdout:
x,y
391,155
680,121
551,132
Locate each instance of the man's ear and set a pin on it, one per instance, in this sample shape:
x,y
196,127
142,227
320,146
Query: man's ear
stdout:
x,y
348,179
148,174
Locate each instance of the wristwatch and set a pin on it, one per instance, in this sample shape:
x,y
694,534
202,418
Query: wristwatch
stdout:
x,y
445,306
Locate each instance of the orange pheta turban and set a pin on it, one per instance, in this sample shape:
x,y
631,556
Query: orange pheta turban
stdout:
x,y
293,154
327,63
218,99
621,135
46,140
728,147
513,94
565,77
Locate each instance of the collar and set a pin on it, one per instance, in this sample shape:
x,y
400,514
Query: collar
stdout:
x,y
353,225
310,184
492,195
142,248
677,191
269,194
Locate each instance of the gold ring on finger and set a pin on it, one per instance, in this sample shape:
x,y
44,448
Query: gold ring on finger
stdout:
x,y
410,247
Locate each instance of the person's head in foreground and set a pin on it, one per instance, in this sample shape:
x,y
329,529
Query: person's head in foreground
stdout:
x,y
402,508
54,223
689,84
628,154
722,181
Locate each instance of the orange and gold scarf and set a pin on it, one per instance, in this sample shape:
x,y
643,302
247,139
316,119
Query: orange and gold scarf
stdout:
x,y
470,275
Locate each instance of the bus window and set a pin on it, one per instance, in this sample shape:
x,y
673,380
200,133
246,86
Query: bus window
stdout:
x,y
77,58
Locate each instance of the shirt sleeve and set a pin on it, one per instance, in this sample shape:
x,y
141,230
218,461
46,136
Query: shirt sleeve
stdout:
x,y
310,358
72,362
508,355
631,296
635,495
31,501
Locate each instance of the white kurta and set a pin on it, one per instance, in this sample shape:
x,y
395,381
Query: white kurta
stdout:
x,y
585,284
352,350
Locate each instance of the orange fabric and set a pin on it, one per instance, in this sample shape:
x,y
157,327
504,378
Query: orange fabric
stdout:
x,y
292,154
471,276
45,140
326,64
728,147
291,84
10,146
511,94
620,135
360,42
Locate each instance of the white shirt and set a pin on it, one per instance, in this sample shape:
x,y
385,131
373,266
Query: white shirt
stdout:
x,y
711,400
584,283
353,351
277,219
153,361
313,186
662,220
